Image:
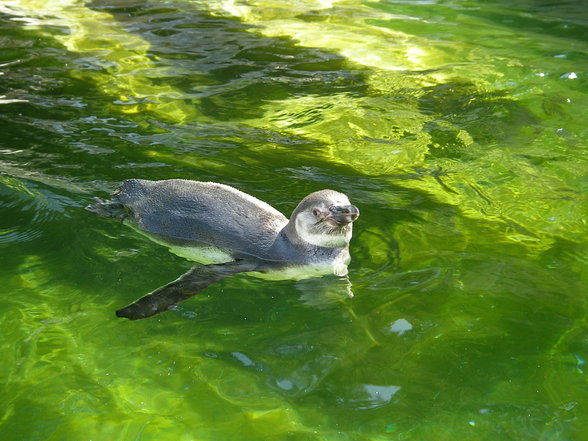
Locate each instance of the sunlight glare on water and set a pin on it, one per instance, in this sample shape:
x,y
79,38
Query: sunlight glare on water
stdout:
x,y
458,129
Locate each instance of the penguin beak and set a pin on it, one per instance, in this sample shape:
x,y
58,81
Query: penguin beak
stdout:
x,y
344,214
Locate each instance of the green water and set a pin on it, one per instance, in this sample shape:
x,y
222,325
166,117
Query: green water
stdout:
x,y
459,129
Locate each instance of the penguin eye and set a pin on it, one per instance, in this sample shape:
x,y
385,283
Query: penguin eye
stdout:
x,y
315,212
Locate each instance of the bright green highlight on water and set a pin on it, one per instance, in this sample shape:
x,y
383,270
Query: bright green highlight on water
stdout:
x,y
458,129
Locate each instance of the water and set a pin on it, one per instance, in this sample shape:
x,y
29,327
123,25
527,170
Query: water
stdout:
x,y
457,127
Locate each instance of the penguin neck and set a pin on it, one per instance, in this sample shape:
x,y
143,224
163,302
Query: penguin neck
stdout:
x,y
308,250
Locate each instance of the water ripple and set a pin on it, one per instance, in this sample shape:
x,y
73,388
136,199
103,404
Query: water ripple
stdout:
x,y
27,208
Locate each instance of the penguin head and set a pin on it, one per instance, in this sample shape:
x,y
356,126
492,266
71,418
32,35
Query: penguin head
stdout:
x,y
324,218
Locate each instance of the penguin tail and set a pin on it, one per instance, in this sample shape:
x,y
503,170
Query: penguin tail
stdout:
x,y
110,209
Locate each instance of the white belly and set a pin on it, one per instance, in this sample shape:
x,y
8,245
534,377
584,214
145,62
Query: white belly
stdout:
x,y
203,255
296,272
210,254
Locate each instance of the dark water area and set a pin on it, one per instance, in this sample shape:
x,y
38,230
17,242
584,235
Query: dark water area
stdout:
x,y
457,127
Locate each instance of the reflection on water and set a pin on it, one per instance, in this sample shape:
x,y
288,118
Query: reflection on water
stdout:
x,y
457,128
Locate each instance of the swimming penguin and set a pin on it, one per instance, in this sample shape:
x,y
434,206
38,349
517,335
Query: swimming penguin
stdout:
x,y
230,232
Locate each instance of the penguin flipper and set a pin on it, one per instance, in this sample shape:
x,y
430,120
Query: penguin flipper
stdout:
x,y
189,284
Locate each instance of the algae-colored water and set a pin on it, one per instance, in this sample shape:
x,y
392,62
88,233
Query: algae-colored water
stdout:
x,y
458,128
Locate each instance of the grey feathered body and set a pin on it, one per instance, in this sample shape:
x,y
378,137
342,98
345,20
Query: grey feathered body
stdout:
x,y
190,213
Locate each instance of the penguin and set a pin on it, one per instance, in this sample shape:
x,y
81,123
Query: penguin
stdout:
x,y
227,232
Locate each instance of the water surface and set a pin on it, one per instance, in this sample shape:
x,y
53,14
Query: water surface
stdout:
x,y
457,127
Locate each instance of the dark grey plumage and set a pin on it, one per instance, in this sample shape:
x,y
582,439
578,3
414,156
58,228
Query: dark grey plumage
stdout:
x,y
184,212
